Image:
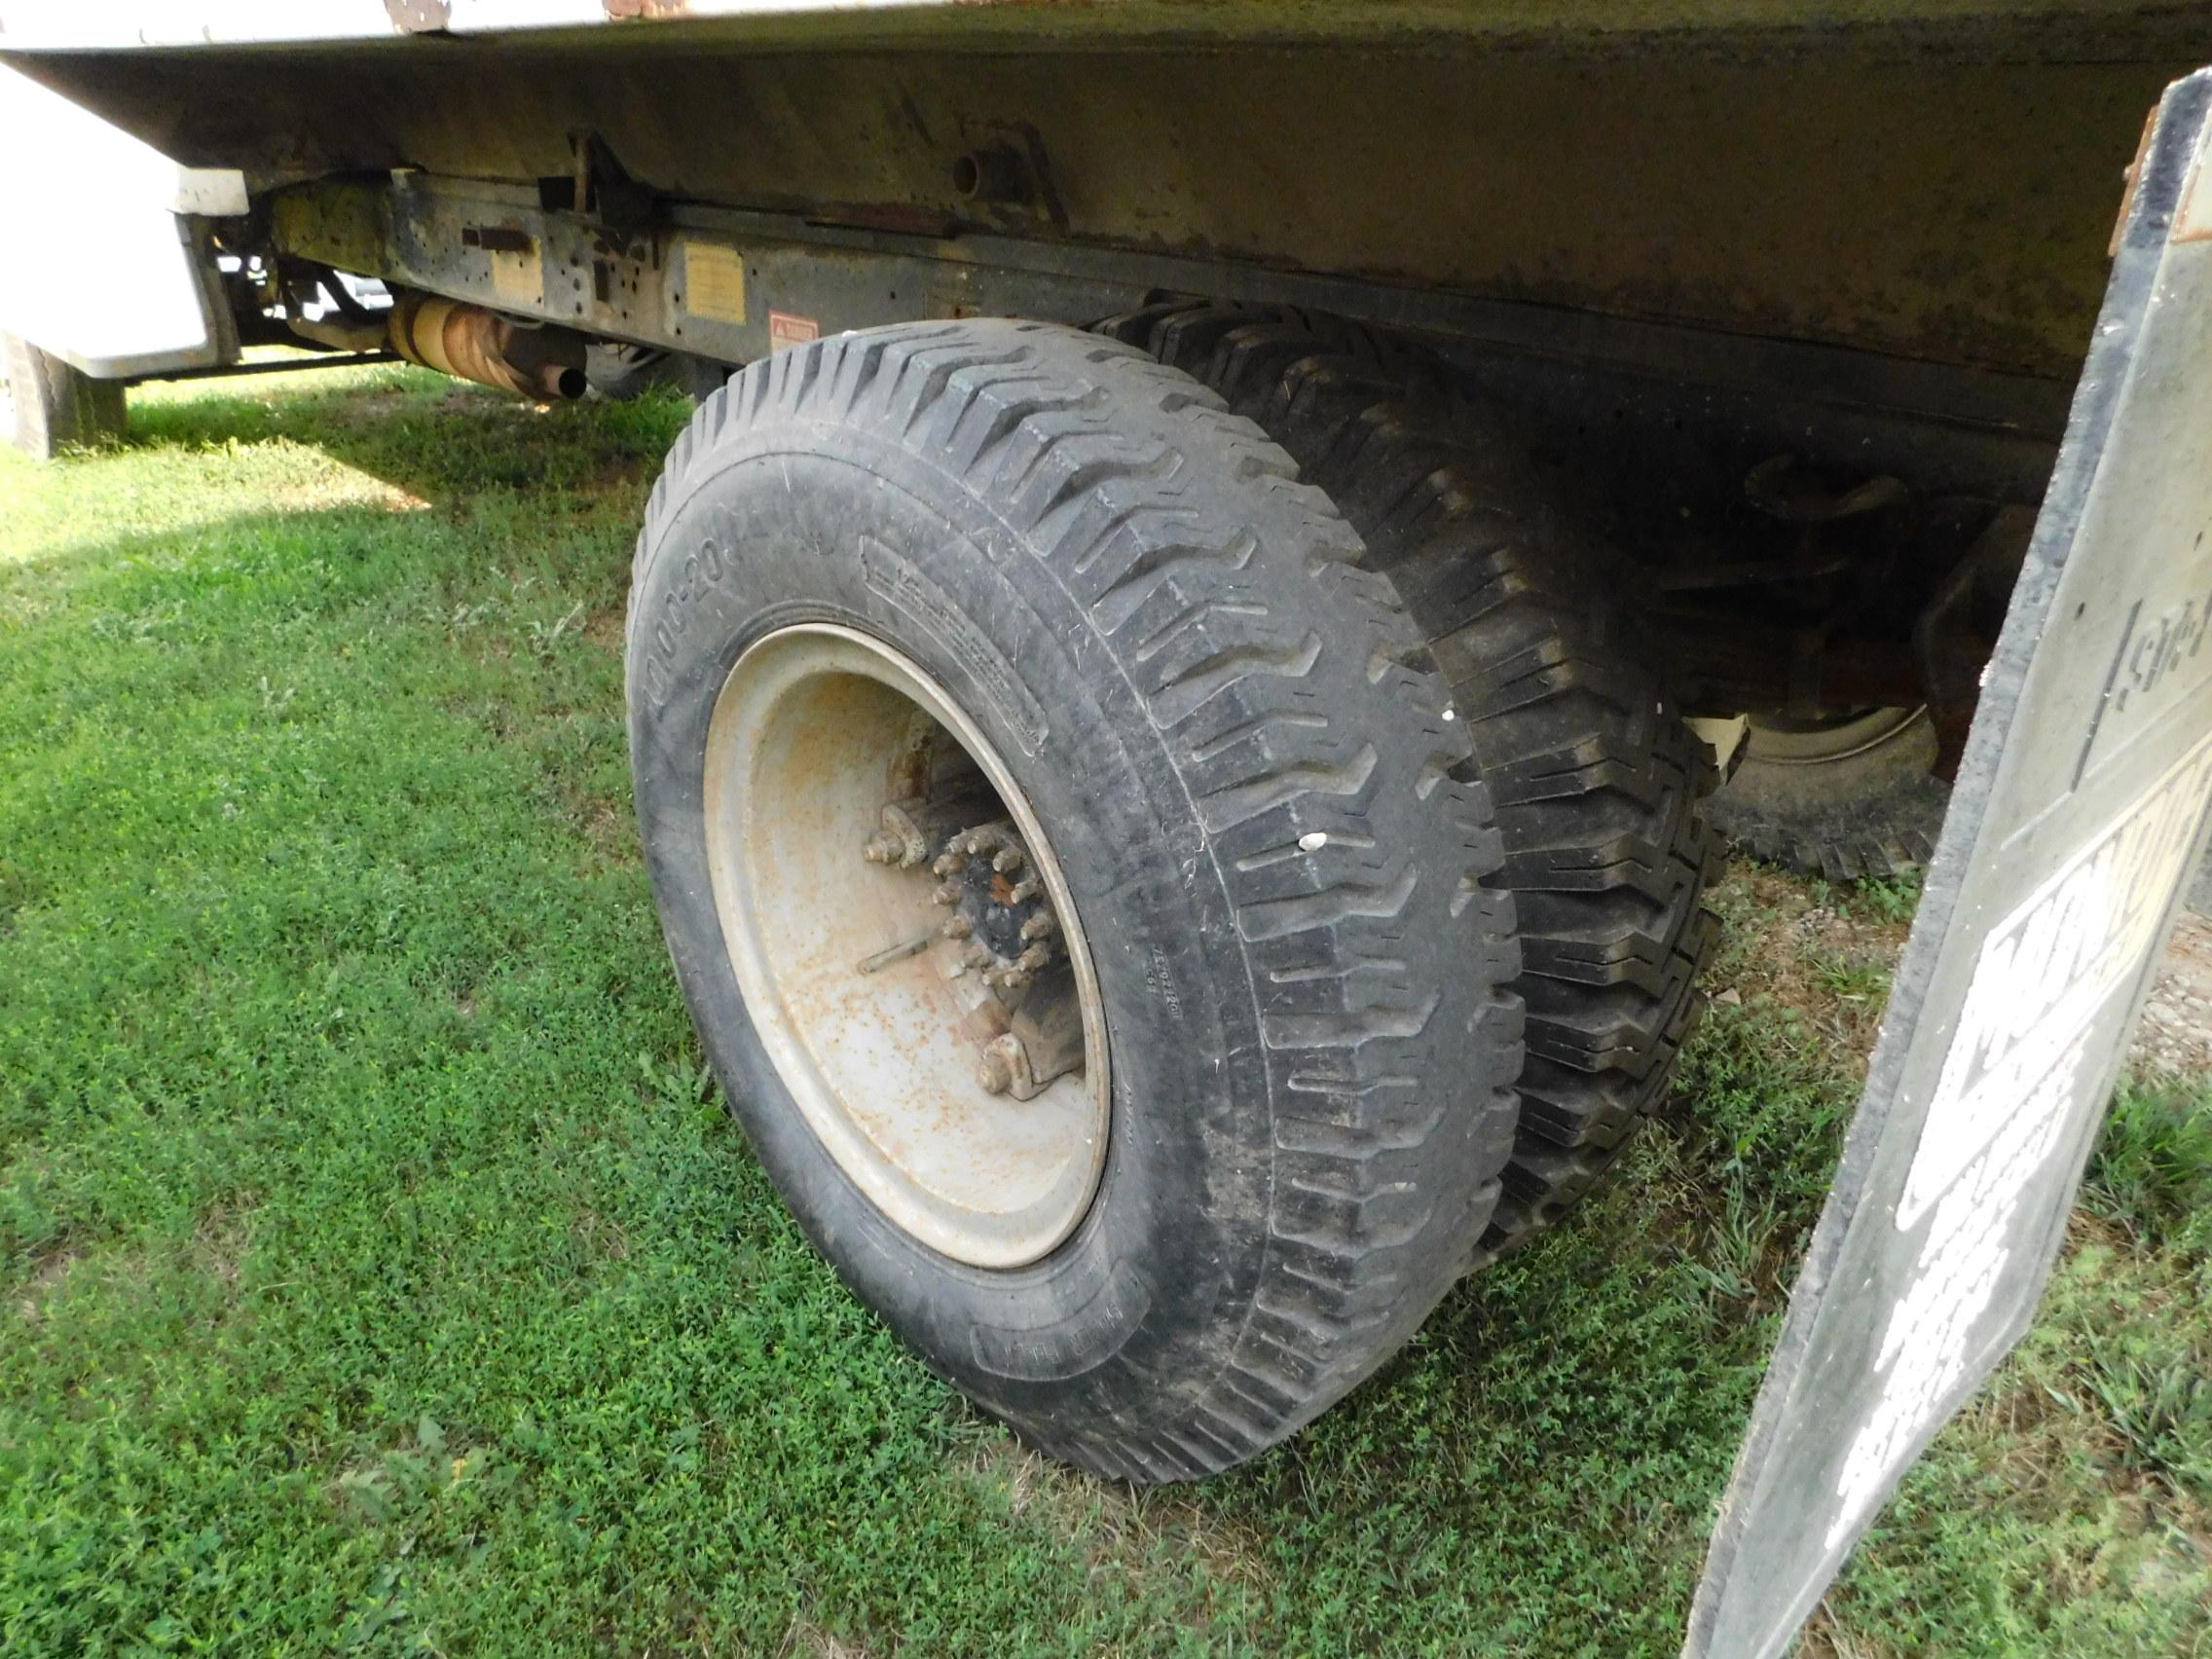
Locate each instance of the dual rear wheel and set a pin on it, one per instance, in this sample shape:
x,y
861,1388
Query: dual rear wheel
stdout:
x,y
1092,888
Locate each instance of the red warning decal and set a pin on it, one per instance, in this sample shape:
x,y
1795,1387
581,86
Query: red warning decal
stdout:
x,y
785,329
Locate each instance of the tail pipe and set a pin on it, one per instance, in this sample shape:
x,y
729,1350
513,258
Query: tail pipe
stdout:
x,y
481,346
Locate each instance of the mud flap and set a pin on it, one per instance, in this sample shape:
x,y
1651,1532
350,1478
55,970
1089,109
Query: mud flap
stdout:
x,y
2081,808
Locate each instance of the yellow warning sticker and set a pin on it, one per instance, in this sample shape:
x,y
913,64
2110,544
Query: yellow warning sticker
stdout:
x,y
714,281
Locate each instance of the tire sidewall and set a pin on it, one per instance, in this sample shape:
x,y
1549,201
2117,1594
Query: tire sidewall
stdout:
x,y
803,520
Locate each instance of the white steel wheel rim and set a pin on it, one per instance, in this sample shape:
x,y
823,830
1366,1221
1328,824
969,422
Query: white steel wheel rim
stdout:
x,y
883,1064
1821,743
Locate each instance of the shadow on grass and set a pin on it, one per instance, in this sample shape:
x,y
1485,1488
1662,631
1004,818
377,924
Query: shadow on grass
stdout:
x,y
440,440
522,487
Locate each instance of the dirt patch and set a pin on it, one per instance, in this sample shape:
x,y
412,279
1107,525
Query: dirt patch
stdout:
x,y
2175,1036
44,1278
1829,963
1114,1525
1832,962
366,409
609,826
1824,1639
808,1641
606,628
600,1236
221,1239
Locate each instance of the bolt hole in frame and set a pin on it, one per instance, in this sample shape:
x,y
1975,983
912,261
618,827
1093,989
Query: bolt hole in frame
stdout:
x,y
2080,810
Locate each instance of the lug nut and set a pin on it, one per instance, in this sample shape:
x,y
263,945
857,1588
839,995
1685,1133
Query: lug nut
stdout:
x,y
1023,890
976,956
996,1073
1008,861
946,894
882,848
949,864
958,927
1043,925
1034,958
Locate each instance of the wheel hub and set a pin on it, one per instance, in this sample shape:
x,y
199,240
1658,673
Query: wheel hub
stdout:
x,y
929,1005
998,907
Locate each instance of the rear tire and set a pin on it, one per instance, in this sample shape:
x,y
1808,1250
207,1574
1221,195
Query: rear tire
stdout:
x,y
1596,778
49,406
1846,801
1235,744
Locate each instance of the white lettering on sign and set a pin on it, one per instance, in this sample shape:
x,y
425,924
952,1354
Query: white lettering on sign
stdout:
x,y
2013,1081
1927,1341
2049,968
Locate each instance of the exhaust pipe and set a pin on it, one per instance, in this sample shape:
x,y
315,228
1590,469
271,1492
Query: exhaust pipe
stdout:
x,y
481,346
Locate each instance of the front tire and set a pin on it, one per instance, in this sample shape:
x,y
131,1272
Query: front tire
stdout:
x,y
1237,749
49,407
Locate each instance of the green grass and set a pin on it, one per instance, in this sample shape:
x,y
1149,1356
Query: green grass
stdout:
x,y
1888,900
379,1271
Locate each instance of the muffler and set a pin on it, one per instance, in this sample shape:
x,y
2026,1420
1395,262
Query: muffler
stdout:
x,y
481,346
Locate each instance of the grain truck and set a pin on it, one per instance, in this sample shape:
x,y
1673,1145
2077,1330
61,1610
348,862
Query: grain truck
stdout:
x,y
1234,566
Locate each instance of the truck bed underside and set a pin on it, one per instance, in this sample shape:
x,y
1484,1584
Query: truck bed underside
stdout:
x,y
1943,194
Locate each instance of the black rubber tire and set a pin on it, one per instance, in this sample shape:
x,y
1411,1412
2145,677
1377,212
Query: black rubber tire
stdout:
x,y
1595,779
1177,652
52,406
1872,816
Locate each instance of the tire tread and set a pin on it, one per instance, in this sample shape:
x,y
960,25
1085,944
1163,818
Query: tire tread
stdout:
x,y
1596,781
1236,601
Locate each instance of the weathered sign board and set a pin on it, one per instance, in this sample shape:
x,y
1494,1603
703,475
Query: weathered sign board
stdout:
x,y
2080,809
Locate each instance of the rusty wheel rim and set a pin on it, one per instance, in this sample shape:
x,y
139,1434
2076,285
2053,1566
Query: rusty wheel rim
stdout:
x,y
862,915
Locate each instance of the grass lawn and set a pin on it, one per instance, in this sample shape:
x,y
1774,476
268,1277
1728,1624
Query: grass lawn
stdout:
x,y
378,1270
